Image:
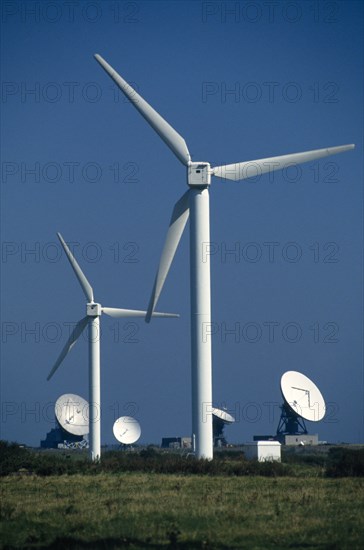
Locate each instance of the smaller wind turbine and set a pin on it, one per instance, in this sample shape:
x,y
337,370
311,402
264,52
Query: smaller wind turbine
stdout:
x,y
93,314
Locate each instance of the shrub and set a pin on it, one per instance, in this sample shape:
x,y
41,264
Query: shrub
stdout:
x,y
344,462
314,459
13,458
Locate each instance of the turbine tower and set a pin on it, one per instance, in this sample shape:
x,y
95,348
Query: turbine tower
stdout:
x,y
195,203
92,319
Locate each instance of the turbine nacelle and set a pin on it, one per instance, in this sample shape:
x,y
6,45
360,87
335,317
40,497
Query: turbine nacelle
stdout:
x,y
93,310
198,174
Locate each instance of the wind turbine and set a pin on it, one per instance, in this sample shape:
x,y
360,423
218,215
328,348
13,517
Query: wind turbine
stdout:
x,y
195,203
92,319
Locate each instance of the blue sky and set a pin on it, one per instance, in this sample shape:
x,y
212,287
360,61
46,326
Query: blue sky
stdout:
x,y
239,81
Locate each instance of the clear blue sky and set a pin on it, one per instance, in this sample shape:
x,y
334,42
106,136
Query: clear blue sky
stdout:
x,y
77,158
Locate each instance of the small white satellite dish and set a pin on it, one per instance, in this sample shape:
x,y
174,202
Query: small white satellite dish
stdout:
x,y
127,430
302,396
223,415
72,412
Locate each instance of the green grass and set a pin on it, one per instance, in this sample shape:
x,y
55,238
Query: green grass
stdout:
x,y
151,510
152,499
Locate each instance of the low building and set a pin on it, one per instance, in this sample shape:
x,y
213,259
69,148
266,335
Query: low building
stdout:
x,y
263,451
299,439
176,443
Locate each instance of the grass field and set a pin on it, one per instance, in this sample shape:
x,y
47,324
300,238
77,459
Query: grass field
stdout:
x,y
150,510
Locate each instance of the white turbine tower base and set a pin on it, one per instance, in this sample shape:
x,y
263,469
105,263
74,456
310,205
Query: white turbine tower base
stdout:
x,y
196,203
94,391
201,361
92,319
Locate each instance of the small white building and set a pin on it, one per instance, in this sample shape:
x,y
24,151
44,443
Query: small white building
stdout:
x,y
301,439
263,451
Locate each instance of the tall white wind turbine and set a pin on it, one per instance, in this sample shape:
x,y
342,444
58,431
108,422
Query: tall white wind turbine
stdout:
x,y
92,319
195,203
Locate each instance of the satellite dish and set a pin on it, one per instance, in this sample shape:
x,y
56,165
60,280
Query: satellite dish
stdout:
x,y
127,430
72,412
302,396
223,415
219,420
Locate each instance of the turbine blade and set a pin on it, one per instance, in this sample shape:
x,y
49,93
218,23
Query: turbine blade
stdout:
x,y
253,168
176,226
116,312
85,285
75,334
169,135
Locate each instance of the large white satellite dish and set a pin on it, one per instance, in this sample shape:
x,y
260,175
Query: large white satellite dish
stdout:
x,y
72,412
302,396
127,430
220,418
223,415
